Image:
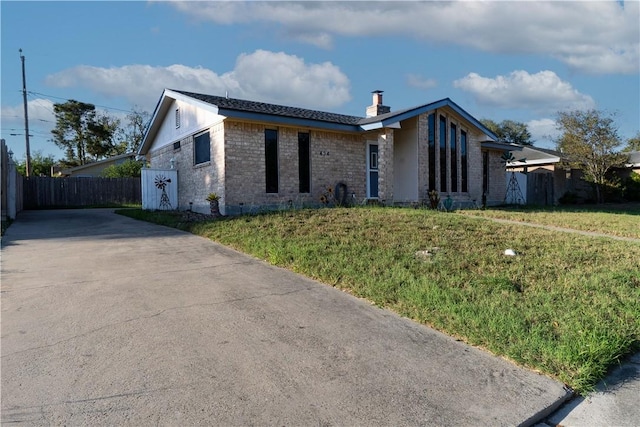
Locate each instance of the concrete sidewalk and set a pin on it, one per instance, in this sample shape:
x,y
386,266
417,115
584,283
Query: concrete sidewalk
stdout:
x,y
616,401
111,321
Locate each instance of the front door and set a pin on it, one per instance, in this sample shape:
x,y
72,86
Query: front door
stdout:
x,y
372,171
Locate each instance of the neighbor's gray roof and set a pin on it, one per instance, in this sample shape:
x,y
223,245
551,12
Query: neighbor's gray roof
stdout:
x,y
536,156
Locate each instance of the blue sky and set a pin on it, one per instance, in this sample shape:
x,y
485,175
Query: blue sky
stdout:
x,y
523,61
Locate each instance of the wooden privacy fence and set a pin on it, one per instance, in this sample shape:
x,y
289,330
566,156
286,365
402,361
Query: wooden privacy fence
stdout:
x,y
47,192
540,189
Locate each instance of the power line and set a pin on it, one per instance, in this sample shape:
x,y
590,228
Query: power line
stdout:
x,y
46,107
68,99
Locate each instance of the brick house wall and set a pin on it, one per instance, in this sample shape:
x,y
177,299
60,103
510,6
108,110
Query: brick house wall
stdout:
x,y
236,171
497,179
237,168
195,182
335,157
385,166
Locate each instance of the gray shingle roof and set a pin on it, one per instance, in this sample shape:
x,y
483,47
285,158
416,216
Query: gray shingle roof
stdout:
x,y
273,109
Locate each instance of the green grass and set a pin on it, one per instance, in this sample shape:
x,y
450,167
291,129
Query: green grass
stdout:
x,y
566,305
617,219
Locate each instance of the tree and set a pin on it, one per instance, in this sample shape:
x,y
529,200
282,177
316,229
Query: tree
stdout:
x,y
509,131
40,164
132,133
633,144
128,168
81,134
589,142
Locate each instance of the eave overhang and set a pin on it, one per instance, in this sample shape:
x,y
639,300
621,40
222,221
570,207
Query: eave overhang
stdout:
x,y
502,146
287,121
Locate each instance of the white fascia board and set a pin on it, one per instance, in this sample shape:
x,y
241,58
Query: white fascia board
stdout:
x,y
536,162
371,126
379,125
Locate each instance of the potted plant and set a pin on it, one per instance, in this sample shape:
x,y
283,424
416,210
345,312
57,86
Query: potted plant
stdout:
x,y
434,199
214,204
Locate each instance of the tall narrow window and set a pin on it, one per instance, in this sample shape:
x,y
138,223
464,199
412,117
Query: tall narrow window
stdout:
x,y
454,158
432,151
463,161
304,162
201,148
485,172
443,154
271,160
177,118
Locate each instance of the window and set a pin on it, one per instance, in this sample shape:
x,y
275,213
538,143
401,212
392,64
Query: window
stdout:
x,y
201,148
432,151
454,158
304,162
443,153
463,161
177,118
176,145
485,172
271,160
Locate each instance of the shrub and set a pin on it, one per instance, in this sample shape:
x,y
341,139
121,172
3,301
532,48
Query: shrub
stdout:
x,y
569,198
632,187
127,169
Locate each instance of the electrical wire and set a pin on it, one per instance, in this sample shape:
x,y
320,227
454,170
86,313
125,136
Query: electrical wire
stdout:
x,y
67,99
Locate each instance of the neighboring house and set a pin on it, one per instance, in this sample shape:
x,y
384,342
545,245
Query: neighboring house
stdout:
x,y
258,154
94,169
534,158
549,179
633,163
546,180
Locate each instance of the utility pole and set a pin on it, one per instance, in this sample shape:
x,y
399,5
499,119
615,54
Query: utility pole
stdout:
x,y
26,116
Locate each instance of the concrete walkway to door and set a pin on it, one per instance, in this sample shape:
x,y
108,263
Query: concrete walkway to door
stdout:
x,y
111,321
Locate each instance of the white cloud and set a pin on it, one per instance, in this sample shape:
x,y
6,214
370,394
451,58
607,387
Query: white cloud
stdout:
x,y
541,92
543,132
262,76
593,37
419,82
40,112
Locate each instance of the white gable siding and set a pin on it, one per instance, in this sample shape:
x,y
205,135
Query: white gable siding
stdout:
x,y
192,120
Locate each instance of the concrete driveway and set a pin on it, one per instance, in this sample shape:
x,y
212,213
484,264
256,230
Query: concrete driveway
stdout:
x,y
111,321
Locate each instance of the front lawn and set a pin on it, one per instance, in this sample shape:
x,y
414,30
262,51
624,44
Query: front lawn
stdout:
x,y
566,305
618,219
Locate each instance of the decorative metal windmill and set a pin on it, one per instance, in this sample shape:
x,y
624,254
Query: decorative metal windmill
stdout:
x,y
514,193
161,182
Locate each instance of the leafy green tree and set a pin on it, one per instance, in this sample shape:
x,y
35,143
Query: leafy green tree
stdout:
x,y
132,132
40,164
83,135
590,142
126,169
633,144
509,131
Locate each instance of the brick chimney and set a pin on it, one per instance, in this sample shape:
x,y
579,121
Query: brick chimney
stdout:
x,y
377,108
